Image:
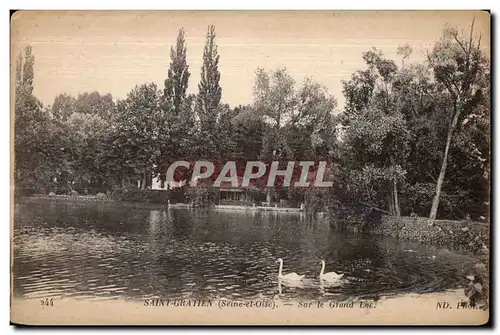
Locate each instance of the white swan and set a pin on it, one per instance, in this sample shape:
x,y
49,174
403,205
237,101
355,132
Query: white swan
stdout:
x,y
329,276
290,276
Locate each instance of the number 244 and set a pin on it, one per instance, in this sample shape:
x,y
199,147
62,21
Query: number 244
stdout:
x,y
47,302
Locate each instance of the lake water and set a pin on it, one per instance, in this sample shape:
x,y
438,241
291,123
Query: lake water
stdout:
x,y
106,251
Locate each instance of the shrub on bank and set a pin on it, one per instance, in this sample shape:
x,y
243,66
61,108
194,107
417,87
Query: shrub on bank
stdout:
x,y
138,195
201,196
149,196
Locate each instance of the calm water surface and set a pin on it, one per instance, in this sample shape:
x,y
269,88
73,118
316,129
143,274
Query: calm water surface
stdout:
x,y
104,251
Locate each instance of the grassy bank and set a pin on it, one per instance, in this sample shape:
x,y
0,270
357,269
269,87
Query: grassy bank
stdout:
x,y
146,204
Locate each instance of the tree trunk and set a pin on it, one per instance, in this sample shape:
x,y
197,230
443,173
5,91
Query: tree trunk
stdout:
x,y
397,210
394,201
374,207
391,203
439,184
143,183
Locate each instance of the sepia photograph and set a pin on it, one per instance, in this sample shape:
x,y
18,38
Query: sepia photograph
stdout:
x,y
246,167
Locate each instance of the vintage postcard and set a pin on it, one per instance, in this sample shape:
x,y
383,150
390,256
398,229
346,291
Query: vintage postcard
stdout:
x,y
250,167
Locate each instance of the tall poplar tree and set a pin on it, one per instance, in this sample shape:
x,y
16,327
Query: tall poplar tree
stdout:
x,y
178,75
209,96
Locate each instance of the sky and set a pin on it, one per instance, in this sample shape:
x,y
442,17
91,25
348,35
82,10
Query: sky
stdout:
x,y
113,51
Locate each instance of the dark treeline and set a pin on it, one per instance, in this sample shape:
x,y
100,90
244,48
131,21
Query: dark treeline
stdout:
x,y
412,139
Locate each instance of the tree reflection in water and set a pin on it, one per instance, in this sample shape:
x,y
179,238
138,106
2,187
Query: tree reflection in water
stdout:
x,y
132,253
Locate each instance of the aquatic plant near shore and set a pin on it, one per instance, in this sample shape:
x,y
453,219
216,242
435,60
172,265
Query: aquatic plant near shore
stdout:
x,y
200,196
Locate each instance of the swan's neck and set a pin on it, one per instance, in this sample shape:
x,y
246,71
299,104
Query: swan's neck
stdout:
x,y
322,269
280,269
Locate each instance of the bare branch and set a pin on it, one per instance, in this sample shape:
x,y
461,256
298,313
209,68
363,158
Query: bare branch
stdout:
x,y
431,176
471,31
459,91
461,45
469,52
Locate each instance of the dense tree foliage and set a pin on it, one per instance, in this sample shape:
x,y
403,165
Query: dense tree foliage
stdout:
x,y
409,125
463,72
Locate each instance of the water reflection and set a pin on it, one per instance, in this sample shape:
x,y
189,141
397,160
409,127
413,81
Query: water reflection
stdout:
x,y
112,252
